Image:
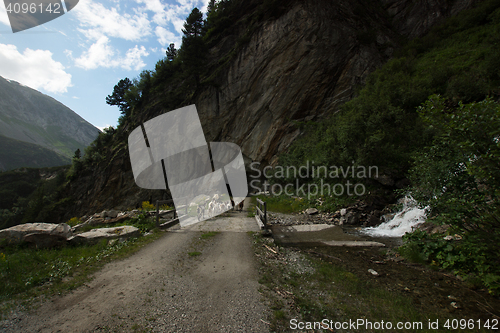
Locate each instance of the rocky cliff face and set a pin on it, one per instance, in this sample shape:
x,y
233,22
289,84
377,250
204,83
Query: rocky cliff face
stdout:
x,y
305,64
415,18
300,66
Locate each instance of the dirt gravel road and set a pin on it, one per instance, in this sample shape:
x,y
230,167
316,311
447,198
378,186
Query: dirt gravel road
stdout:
x,y
182,282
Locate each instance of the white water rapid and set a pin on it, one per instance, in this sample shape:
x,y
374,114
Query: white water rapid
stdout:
x,y
404,221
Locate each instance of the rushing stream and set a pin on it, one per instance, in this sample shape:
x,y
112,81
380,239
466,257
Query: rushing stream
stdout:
x,y
404,221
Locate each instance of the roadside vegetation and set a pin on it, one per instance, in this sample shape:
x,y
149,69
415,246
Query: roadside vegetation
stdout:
x,y
309,285
431,115
26,196
458,177
28,273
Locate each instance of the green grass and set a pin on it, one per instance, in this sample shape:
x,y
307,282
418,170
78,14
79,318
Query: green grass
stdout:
x,y
279,314
282,204
208,234
26,272
328,291
198,243
413,253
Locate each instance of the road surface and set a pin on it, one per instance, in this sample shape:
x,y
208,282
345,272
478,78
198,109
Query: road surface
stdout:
x,y
162,288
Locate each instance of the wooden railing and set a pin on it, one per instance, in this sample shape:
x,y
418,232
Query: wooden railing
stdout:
x,y
261,213
162,202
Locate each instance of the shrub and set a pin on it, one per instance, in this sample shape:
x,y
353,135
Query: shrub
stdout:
x,y
147,206
73,221
458,176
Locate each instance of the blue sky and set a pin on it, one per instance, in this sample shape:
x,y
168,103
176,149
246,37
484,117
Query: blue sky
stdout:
x,y
78,57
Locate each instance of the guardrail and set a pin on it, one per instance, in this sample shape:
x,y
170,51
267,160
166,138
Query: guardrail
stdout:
x,y
175,220
261,216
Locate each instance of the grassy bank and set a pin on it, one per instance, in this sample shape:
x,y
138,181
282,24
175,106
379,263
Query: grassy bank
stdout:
x,y
27,273
311,284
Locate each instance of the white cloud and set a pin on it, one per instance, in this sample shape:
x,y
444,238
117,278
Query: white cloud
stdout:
x,y
34,68
133,58
205,6
3,16
178,24
173,13
98,55
101,54
133,21
178,14
97,21
165,37
161,16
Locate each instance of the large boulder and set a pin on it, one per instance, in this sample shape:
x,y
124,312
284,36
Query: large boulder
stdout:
x,y
373,219
50,234
351,217
95,235
431,228
45,240
109,213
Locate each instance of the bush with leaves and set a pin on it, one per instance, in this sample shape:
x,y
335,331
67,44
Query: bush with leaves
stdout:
x,y
380,126
458,176
147,206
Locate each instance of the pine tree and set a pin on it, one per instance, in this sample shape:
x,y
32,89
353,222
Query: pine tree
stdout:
x,y
117,97
211,7
171,52
211,16
78,154
193,50
194,24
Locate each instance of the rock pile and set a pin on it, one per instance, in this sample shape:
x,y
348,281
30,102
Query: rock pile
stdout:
x,y
47,235
95,235
39,234
359,214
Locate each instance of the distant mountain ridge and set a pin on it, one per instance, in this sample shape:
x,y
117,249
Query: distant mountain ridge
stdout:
x,y
29,116
16,154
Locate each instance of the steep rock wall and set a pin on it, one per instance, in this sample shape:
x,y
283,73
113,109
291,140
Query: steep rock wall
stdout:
x,y
305,64
300,66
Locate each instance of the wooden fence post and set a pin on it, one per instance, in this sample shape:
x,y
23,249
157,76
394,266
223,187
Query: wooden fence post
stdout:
x,y
265,214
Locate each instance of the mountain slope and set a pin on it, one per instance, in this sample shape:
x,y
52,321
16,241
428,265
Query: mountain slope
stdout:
x,y
30,116
16,154
269,67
